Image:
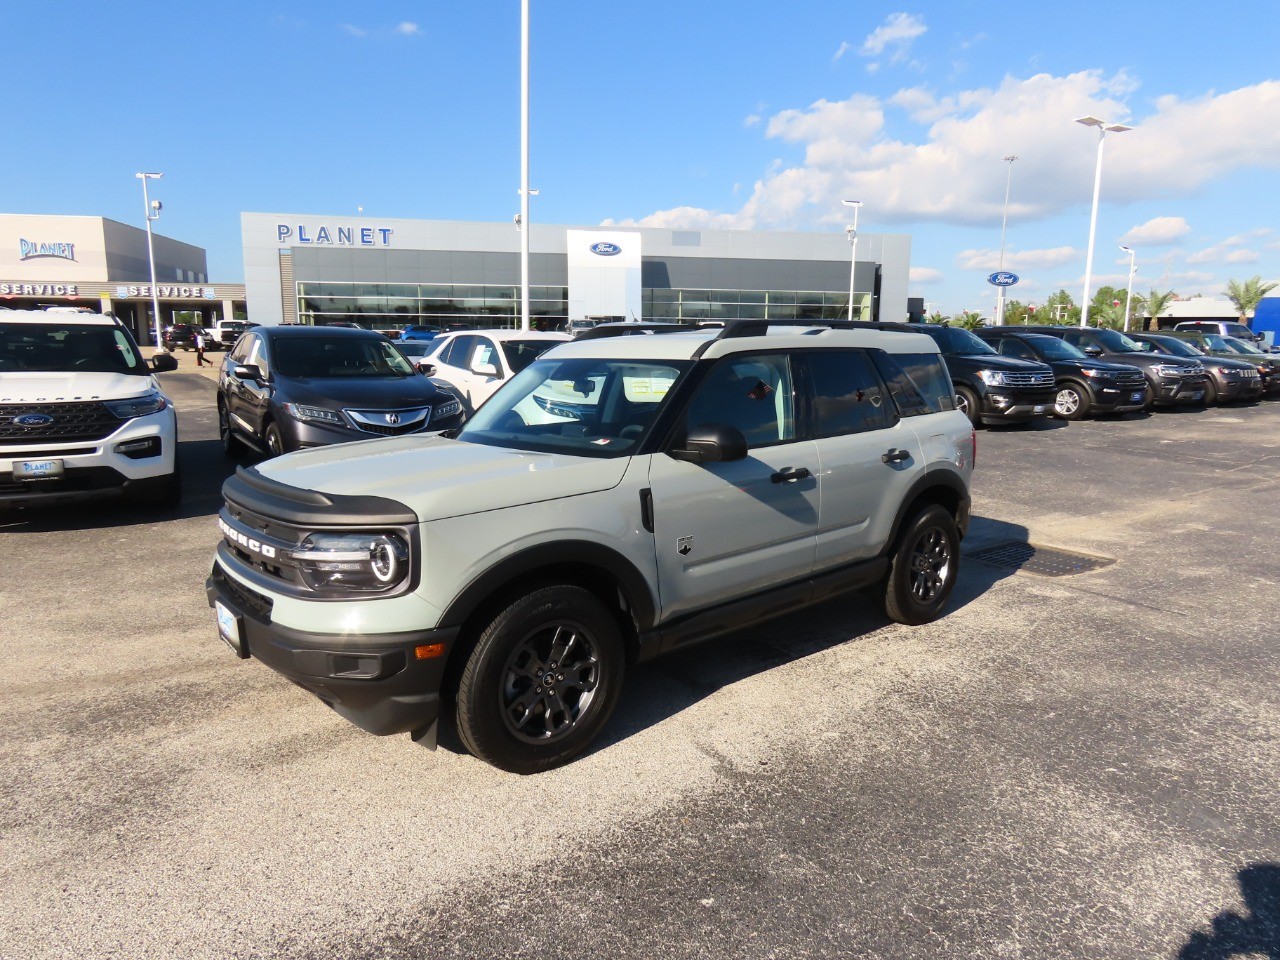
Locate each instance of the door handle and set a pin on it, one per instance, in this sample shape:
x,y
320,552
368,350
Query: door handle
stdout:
x,y
895,456
790,476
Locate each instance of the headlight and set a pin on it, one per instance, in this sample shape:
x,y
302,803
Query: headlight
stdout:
x,y
1173,370
445,410
992,378
356,562
300,411
1094,372
152,402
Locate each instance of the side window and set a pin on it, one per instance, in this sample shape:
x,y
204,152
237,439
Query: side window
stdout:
x,y
1074,338
848,395
485,352
918,382
258,356
1010,347
754,393
240,352
455,355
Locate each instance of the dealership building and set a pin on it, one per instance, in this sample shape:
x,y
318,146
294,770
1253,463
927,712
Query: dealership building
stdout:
x,y
389,273
103,266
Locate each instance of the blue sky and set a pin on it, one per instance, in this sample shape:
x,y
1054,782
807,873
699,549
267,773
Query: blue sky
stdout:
x,y
746,114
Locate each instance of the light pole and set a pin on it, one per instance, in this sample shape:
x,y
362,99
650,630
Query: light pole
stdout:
x,y
1103,129
524,164
1004,220
152,209
852,234
1128,300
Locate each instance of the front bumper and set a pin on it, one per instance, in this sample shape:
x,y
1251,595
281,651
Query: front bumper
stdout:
x,y
1171,391
1110,396
1002,404
376,681
299,435
1231,389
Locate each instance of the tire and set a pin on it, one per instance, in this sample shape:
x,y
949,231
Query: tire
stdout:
x,y
1071,402
505,716
1210,393
967,403
230,445
923,568
274,440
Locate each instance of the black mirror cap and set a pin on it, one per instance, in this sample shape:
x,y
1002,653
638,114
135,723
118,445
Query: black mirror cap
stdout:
x,y
1092,351
163,362
713,443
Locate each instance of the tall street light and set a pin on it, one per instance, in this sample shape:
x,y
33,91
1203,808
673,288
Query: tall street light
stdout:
x,y
524,164
1128,300
1103,129
852,234
1004,220
152,209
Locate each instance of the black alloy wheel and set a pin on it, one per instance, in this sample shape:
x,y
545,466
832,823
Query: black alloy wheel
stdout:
x,y
923,568
230,445
543,679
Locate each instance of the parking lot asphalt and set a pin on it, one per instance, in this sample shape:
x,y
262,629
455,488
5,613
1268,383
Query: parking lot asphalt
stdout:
x,y
1081,766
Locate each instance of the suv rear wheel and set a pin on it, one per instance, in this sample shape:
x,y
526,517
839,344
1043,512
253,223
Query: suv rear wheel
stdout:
x,y
543,679
230,445
923,568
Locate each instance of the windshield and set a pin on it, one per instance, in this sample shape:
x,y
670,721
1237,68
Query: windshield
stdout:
x,y
1215,343
1239,346
521,353
66,348
584,407
321,357
959,341
1176,347
1114,340
1051,348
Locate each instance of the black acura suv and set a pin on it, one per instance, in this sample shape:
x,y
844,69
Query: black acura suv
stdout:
x,y
991,388
283,388
1085,386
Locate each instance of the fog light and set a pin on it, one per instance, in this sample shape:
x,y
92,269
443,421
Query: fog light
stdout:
x,y
139,449
1000,400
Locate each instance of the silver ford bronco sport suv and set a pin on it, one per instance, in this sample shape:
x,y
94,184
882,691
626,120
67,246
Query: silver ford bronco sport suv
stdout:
x,y
620,498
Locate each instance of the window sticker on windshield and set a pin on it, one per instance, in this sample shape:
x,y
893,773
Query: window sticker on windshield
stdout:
x,y
646,389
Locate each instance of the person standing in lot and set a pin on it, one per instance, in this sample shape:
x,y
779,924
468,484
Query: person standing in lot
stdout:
x,y
200,357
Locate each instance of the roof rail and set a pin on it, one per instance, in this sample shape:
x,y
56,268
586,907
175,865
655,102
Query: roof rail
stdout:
x,y
627,328
758,328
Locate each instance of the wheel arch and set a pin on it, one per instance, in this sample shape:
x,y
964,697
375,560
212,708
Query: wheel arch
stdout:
x,y
939,486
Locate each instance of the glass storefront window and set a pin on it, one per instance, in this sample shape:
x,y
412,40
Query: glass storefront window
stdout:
x,y
751,296
780,296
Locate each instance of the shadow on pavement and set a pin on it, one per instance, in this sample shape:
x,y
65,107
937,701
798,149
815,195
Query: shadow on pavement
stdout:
x,y
1256,934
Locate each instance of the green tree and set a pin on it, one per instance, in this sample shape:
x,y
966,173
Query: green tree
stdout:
x,y
969,319
936,317
1246,296
1013,311
1059,310
1154,304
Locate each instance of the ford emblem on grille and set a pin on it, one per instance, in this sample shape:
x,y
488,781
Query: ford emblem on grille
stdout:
x,y
33,420
393,418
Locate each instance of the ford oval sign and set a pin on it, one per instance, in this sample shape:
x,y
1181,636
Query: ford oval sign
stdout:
x,y
1003,279
606,249
33,420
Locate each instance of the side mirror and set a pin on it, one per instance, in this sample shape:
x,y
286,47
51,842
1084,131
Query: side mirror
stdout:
x,y
248,371
712,443
1092,351
427,369
485,369
163,362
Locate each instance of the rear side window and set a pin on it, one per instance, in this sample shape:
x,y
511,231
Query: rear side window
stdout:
x,y
918,382
848,396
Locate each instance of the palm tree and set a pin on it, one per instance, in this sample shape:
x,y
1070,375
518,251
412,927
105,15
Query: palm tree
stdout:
x,y
969,319
936,317
1246,296
1156,303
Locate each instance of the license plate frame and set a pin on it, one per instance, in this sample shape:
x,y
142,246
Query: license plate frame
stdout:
x,y
29,470
1040,408
231,630
1137,396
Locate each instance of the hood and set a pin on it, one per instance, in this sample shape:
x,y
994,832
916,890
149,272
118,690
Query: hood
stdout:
x,y
1231,363
1111,366
65,387
416,391
439,478
988,361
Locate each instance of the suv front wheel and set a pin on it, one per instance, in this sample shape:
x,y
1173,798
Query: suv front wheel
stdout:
x,y
543,679
923,568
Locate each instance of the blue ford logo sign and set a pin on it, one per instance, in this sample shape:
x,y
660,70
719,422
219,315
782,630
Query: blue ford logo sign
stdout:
x,y
33,420
1002,279
606,249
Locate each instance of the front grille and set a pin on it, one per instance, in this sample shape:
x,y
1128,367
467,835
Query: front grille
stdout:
x,y
73,422
1135,379
390,431
249,601
375,421
1044,379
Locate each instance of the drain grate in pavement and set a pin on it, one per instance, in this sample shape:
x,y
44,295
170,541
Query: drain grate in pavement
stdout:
x,y
1018,555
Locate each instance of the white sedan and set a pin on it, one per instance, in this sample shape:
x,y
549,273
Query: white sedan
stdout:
x,y
478,362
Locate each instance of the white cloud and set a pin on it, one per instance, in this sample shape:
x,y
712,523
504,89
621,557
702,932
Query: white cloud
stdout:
x,y
1158,232
952,173
897,31
1241,256
407,28
1016,259
926,275
752,121
354,30
841,51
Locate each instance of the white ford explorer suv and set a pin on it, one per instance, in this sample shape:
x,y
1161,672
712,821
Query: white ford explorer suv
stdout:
x,y
619,498
81,415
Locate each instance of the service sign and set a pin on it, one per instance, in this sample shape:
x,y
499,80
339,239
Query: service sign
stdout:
x,y
1002,279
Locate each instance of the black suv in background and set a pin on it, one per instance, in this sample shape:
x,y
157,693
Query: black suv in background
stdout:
x,y
1173,380
1229,380
1084,386
282,388
989,387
